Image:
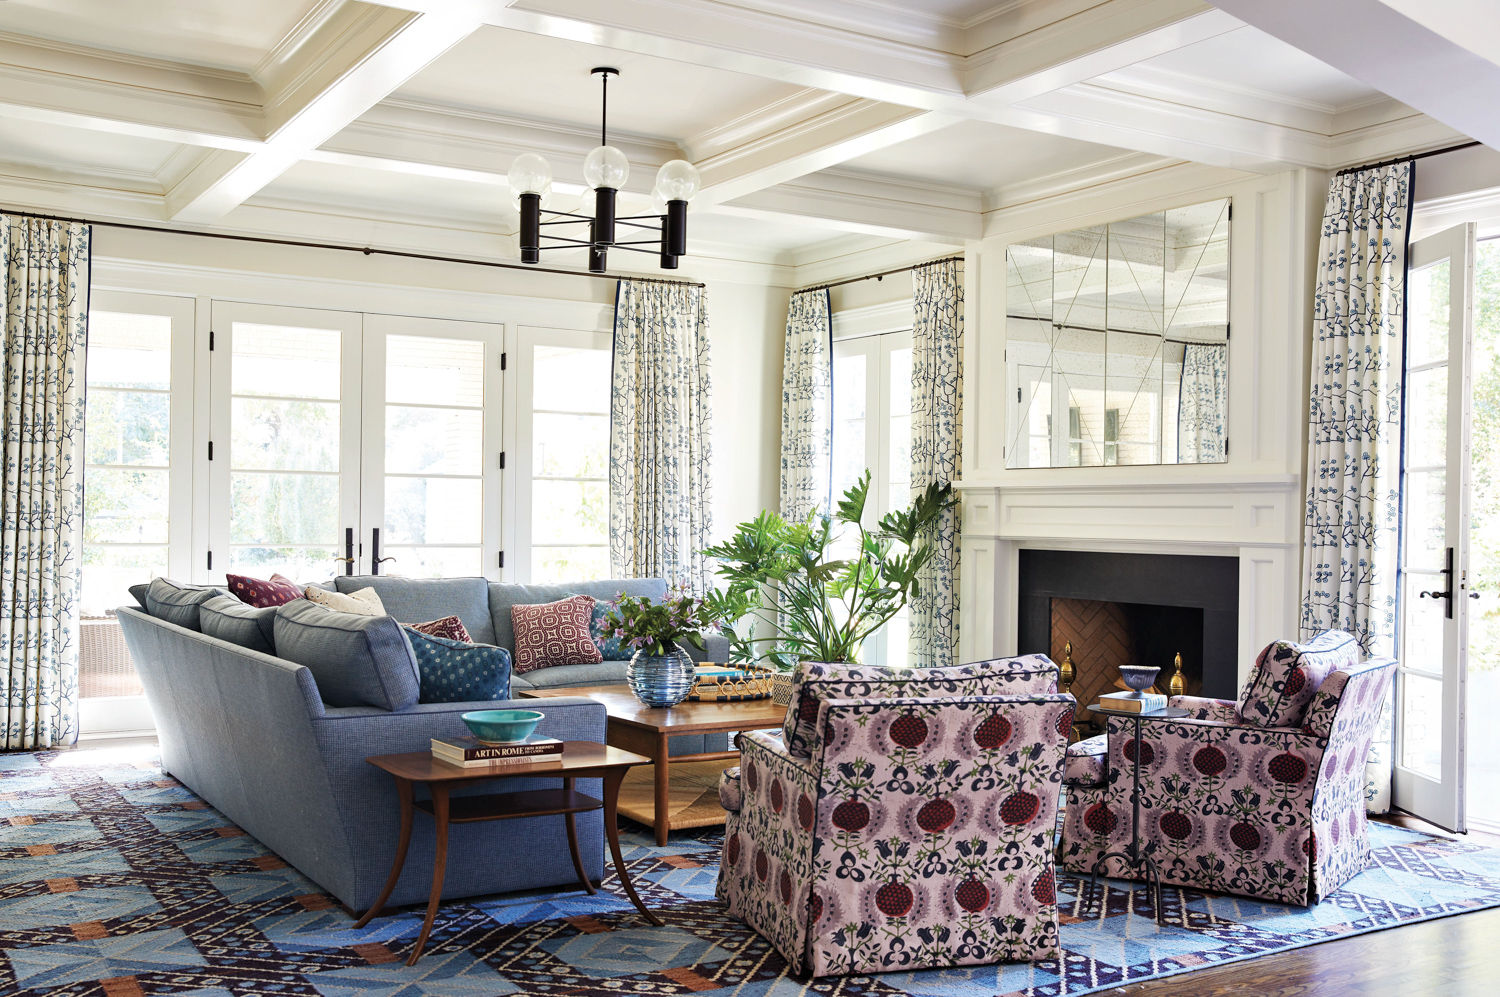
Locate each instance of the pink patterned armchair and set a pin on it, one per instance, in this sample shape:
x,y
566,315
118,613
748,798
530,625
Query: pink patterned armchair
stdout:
x,y
1273,810
901,833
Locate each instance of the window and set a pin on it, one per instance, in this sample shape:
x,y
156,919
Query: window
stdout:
x,y
563,514
872,431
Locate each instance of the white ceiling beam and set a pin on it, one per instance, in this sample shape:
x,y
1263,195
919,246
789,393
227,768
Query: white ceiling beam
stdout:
x,y
871,205
1444,77
350,62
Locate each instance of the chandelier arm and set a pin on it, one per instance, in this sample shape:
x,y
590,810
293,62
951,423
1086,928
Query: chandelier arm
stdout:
x,y
634,224
570,221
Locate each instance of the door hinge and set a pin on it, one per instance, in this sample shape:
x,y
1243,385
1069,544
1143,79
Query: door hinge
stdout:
x,y
1229,216
210,449
502,559
1226,332
210,340
502,460
1226,446
210,560
502,361
1018,396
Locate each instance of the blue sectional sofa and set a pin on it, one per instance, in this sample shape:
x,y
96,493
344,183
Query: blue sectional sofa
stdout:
x,y
250,734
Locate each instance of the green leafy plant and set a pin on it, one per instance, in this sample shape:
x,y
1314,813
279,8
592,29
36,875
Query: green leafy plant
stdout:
x,y
653,627
821,607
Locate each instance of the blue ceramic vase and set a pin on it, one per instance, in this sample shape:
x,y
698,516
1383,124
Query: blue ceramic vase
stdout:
x,y
661,681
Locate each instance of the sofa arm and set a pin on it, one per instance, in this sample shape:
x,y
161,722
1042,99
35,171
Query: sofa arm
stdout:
x,y
1223,710
715,649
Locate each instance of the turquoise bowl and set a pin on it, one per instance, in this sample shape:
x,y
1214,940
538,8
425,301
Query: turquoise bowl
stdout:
x,y
502,726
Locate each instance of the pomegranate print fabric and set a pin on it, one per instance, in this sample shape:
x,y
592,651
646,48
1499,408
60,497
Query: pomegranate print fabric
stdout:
x,y
1287,675
1233,807
919,835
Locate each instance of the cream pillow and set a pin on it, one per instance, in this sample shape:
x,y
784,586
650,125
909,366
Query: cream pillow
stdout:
x,y
365,602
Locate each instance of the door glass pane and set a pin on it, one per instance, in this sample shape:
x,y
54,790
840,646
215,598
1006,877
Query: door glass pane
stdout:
x,y
1422,724
434,456
1427,314
1427,417
848,422
284,450
899,461
1426,498
1422,625
1483,753
570,446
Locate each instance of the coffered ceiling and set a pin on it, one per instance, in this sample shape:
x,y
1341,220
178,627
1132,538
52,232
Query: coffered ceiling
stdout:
x,y
817,124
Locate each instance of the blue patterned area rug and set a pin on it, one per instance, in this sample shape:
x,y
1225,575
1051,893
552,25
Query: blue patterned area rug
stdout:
x,y
116,881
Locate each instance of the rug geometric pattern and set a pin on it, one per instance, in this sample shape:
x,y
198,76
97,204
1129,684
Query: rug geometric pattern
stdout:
x,y
115,881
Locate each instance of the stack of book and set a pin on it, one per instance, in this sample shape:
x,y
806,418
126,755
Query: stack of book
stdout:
x,y
1132,702
470,752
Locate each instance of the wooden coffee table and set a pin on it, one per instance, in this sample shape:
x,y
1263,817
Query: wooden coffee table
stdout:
x,y
646,730
578,760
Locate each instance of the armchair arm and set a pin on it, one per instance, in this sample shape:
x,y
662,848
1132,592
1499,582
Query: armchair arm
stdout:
x,y
731,793
1222,710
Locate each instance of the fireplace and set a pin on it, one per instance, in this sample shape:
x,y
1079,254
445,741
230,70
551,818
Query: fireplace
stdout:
x,y
1139,608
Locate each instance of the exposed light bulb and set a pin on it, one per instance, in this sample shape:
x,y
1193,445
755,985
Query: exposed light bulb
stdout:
x,y
530,174
606,166
678,180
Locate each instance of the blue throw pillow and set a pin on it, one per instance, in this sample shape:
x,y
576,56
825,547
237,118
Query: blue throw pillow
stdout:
x,y
609,647
454,672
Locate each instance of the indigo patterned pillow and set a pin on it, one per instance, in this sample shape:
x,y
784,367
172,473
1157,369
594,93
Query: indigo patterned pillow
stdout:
x,y
609,647
554,633
1286,675
260,593
449,627
455,671
812,683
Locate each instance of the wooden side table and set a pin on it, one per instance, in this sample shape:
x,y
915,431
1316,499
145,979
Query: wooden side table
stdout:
x,y
579,760
650,729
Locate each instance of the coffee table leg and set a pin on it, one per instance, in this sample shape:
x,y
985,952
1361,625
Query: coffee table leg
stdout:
x,y
663,822
403,792
439,864
573,846
612,780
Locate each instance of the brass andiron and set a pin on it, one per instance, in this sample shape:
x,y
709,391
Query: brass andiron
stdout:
x,y
1065,671
1178,685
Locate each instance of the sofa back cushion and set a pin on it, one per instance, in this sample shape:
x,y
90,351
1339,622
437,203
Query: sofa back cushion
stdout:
x,y
454,671
1287,674
812,683
416,600
356,660
227,618
504,596
178,603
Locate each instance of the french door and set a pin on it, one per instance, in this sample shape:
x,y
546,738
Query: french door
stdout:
x,y
349,443
1436,597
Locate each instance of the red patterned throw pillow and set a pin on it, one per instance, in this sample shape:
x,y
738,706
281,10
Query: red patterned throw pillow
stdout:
x,y
554,633
449,628
260,594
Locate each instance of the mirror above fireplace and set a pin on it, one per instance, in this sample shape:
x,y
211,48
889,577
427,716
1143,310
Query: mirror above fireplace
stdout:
x,y
1117,342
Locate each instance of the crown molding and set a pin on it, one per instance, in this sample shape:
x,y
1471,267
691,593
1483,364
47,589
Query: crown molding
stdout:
x,y
874,320
280,55
857,262
785,113
1079,178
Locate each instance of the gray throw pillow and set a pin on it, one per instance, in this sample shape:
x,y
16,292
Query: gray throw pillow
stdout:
x,y
178,603
139,592
356,660
226,618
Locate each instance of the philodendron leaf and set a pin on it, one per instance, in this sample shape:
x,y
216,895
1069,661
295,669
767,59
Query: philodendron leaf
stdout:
x,y
851,508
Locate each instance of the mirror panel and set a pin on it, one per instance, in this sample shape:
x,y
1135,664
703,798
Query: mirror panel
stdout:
x,y
1117,342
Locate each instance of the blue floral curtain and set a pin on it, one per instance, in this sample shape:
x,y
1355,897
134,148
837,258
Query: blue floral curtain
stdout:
x,y
45,316
937,391
1354,434
1202,402
660,426
807,406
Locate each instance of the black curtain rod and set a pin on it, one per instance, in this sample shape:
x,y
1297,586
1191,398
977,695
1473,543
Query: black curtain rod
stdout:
x,y
883,273
1404,159
1123,332
366,250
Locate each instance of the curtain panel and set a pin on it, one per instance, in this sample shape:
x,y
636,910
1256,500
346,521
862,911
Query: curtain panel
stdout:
x,y
937,390
45,315
660,426
1201,403
1352,526
807,406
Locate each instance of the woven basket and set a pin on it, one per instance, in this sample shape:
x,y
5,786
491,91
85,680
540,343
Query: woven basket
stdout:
x,y
750,682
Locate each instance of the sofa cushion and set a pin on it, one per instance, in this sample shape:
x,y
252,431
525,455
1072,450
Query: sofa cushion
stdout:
x,y
554,633
178,603
356,660
566,676
227,618
360,602
1085,761
139,594
448,628
412,600
454,671
814,682
260,592
1287,674
503,596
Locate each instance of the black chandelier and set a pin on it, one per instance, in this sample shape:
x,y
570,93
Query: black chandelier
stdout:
x,y
605,171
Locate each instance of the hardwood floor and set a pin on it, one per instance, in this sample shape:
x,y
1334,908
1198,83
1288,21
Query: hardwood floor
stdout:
x,y
1449,957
